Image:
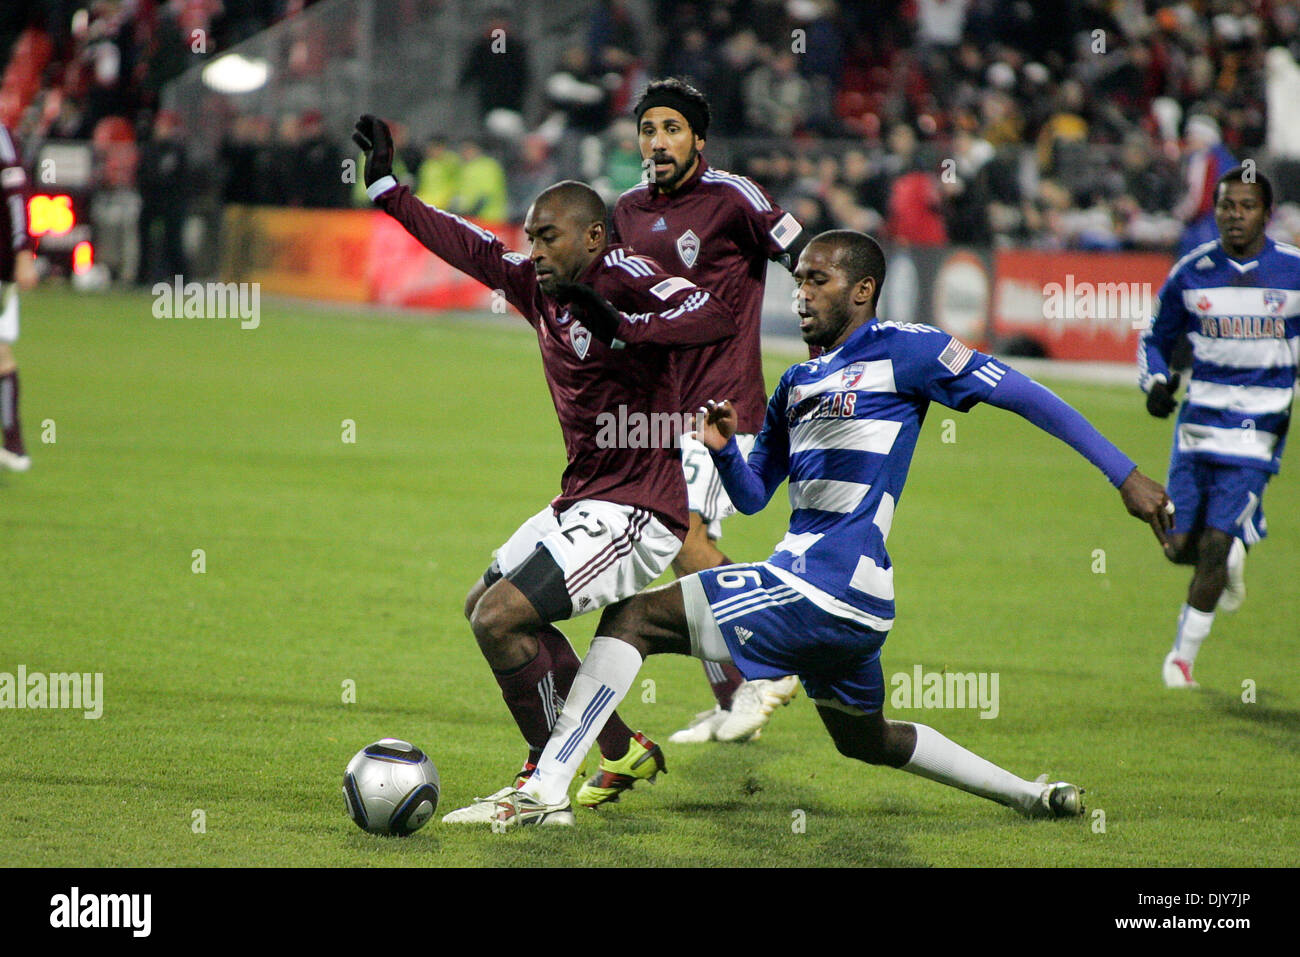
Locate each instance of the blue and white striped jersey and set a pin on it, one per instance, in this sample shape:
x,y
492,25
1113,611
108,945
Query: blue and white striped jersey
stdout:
x,y
843,427
1243,320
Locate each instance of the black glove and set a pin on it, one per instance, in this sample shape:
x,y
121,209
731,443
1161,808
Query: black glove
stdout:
x,y
1160,400
600,318
373,136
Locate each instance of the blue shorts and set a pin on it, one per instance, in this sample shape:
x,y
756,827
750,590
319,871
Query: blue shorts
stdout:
x,y
769,630
1211,495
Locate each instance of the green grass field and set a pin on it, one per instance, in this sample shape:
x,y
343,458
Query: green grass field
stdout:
x,y
329,562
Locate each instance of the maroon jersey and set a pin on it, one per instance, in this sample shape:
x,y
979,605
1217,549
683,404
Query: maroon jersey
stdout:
x,y
719,230
613,401
14,237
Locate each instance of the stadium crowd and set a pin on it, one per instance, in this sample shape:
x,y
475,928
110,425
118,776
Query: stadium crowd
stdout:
x,y
1079,125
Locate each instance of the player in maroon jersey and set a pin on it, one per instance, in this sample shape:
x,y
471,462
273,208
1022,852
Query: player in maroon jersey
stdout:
x,y
17,271
720,230
622,511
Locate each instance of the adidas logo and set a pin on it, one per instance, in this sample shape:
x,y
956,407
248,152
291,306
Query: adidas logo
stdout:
x,y
660,226
743,634
1205,262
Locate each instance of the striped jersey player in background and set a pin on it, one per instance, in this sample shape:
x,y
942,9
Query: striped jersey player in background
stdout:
x,y
720,230
621,513
1238,300
17,272
842,427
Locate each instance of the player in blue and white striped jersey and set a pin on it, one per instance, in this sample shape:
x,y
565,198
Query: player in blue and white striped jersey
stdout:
x,y
842,427
1238,301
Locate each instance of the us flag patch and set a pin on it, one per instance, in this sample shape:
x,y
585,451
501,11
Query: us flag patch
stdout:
x,y
786,229
955,355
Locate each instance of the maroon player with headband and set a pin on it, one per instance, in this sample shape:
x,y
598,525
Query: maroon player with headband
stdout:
x,y
621,514
719,230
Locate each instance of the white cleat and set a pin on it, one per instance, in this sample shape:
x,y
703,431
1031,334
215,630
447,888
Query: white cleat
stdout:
x,y
703,727
752,707
14,462
1235,591
1177,673
1057,799
521,809
482,811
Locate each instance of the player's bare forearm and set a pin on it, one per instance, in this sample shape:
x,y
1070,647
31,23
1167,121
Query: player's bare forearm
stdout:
x,y
1148,501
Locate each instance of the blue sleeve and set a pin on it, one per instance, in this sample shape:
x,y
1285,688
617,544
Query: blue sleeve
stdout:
x,y
930,364
750,484
1020,394
1161,335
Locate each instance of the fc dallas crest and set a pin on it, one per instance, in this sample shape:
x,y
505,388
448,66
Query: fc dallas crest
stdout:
x,y
688,247
580,338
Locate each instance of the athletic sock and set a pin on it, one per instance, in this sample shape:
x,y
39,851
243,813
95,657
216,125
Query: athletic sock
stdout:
x,y
1193,628
947,762
530,694
601,683
13,431
724,679
615,737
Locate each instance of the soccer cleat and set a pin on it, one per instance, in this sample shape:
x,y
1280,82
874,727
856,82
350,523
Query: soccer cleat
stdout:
x,y
483,810
703,727
1177,673
1235,591
752,706
642,762
14,462
517,808
1057,799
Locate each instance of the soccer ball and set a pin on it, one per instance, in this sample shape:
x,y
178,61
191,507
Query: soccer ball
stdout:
x,y
391,787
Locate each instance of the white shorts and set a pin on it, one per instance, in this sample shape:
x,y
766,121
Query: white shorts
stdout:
x,y
8,312
704,491
606,552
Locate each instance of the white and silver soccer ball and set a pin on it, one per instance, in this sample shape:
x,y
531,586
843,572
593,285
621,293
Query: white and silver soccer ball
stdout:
x,y
391,787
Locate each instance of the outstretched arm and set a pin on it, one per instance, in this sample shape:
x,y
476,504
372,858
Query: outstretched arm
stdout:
x,y
1142,497
471,249
749,484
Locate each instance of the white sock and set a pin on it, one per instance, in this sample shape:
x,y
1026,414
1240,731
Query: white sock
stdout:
x,y
1193,628
947,762
600,684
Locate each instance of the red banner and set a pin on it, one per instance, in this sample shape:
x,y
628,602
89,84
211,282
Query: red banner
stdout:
x,y
345,255
1077,305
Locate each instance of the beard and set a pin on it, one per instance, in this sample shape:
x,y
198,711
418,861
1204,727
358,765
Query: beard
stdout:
x,y
678,173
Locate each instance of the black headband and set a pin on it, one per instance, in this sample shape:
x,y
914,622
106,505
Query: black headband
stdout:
x,y
674,100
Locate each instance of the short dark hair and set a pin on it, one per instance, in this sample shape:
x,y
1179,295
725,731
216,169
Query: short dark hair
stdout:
x,y
860,257
577,198
1240,174
690,102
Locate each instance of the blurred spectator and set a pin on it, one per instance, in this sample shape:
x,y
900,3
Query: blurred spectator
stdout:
x,y
319,165
692,59
623,167
534,172
726,90
163,181
777,98
482,193
438,180
576,90
496,67
915,210
1206,160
